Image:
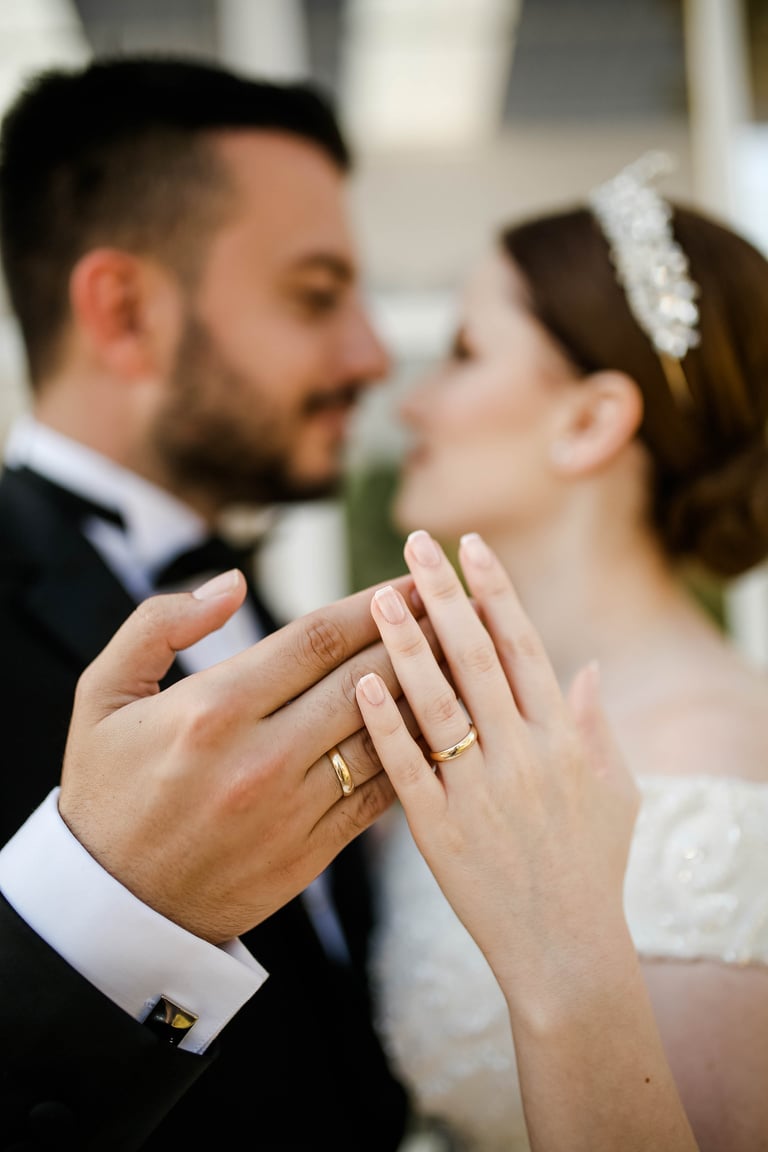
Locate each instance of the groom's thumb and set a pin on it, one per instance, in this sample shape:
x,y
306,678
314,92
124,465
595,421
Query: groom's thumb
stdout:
x,y
142,650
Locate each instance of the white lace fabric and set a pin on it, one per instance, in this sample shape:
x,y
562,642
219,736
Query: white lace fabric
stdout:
x,y
695,888
697,882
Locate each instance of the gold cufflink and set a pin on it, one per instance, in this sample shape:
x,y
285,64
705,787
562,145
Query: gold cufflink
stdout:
x,y
169,1022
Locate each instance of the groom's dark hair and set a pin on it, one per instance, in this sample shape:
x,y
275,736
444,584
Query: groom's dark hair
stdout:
x,y
119,153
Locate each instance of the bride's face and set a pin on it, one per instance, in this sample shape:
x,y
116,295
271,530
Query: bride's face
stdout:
x,y
484,421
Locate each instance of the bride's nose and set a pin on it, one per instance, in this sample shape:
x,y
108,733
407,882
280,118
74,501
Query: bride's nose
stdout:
x,y
415,403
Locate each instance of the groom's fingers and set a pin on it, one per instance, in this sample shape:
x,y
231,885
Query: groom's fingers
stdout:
x,y
285,664
140,653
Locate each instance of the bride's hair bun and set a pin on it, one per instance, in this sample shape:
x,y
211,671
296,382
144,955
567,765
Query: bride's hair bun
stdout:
x,y
720,518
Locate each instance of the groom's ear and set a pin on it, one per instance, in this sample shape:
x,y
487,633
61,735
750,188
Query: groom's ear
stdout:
x,y
127,310
601,416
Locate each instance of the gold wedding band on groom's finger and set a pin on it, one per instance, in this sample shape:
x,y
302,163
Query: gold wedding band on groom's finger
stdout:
x,y
456,749
343,774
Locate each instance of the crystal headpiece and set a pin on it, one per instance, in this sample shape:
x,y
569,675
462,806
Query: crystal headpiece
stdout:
x,y
650,265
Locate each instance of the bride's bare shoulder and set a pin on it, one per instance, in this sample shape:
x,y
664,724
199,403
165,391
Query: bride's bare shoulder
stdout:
x,y
717,726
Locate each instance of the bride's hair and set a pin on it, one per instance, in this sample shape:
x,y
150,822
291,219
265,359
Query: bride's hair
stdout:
x,y
710,497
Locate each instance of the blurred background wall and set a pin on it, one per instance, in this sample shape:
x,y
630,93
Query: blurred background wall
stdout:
x,y
463,114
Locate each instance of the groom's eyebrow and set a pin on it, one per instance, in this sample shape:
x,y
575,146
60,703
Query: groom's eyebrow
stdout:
x,y
329,262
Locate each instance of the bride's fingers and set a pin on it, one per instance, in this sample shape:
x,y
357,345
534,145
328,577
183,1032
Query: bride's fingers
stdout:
x,y
518,644
602,750
419,790
433,700
465,642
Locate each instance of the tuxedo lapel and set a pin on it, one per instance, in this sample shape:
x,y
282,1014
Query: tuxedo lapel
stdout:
x,y
66,586
80,603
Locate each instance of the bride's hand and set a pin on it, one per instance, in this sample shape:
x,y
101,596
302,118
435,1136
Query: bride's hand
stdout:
x,y
527,830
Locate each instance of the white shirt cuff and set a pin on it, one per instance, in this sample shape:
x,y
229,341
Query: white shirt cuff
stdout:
x,y
123,947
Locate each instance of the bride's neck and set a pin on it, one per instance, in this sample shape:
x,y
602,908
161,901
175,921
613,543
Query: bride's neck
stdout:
x,y
609,594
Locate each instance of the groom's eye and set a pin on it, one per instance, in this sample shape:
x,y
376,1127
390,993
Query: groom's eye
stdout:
x,y
318,299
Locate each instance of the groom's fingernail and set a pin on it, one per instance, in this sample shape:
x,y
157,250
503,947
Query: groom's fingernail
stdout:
x,y
217,586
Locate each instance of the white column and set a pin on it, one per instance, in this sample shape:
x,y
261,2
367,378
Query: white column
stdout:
x,y
426,73
264,37
718,95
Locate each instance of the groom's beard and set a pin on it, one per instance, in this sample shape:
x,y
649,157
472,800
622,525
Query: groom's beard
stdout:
x,y
218,434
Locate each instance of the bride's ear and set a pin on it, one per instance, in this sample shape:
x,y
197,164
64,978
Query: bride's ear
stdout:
x,y
600,417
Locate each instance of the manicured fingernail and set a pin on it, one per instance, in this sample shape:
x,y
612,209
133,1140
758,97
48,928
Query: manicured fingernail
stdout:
x,y
372,688
423,548
476,550
225,582
392,608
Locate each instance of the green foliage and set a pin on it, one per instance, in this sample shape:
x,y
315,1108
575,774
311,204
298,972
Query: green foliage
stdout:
x,y
375,546
709,591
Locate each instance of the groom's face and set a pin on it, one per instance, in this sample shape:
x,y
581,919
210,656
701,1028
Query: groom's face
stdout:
x,y
276,346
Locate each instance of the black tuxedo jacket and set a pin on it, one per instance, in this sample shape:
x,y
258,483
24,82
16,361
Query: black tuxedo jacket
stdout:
x,y
299,1067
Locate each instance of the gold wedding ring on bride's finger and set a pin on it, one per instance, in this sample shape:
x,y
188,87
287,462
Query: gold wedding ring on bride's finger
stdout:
x,y
341,768
455,750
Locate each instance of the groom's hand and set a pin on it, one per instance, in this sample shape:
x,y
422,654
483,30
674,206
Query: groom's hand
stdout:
x,y
214,801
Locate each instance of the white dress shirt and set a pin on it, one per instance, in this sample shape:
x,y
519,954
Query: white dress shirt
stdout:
x,y
127,950
124,948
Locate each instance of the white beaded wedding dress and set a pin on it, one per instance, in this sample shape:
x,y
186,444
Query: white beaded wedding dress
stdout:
x,y
696,887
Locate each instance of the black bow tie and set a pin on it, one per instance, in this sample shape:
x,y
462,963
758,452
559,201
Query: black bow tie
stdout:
x,y
209,558
212,556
